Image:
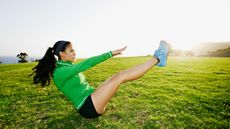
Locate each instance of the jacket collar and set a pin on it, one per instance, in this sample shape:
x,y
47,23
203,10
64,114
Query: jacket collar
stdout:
x,y
64,63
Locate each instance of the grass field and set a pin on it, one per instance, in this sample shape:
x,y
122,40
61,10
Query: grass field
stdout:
x,y
189,93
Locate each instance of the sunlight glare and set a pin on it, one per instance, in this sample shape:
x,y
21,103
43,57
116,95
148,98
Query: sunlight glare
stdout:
x,y
182,46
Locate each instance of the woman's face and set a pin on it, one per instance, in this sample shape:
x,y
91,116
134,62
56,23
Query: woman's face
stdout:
x,y
68,54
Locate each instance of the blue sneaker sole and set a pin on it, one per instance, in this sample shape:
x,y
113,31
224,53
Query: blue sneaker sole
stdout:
x,y
163,47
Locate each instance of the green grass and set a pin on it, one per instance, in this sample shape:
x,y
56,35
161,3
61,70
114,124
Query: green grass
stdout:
x,y
188,93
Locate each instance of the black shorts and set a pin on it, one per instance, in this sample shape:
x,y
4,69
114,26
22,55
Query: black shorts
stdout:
x,y
88,110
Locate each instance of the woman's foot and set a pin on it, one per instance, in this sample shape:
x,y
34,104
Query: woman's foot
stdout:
x,y
162,53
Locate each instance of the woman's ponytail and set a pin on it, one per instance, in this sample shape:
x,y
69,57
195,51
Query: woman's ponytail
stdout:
x,y
44,70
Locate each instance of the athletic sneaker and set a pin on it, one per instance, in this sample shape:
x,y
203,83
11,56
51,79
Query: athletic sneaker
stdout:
x,y
162,53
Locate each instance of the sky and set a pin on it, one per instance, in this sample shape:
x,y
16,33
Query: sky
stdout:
x,y
98,26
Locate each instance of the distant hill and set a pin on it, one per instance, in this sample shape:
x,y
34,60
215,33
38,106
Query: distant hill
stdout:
x,y
12,59
8,59
203,48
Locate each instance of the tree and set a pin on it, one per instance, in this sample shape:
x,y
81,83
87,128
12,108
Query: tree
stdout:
x,y
22,57
0,62
178,52
188,53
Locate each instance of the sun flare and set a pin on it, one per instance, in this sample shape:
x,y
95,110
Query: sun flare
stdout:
x,y
182,46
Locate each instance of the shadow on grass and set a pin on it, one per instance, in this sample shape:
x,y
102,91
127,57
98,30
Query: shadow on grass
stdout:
x,y
73,121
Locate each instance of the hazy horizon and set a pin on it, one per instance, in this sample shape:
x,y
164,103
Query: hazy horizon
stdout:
x,y
99,26
199,50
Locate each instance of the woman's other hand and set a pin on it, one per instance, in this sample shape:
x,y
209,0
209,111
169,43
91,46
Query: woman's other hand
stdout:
x,y
118,51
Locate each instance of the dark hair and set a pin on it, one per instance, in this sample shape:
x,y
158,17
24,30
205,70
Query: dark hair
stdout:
x,y
45,67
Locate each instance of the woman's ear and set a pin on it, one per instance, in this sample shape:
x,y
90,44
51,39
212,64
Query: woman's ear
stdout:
x,y
61,54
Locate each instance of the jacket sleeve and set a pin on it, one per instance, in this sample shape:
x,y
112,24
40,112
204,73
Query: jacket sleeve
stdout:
x,y
69,71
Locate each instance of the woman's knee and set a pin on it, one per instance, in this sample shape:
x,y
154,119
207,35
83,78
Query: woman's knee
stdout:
x,y
119,77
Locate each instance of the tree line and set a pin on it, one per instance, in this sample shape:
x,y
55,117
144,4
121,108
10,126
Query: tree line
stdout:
x,y
220,53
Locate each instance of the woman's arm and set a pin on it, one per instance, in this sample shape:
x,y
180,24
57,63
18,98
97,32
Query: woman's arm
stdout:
x,y
90,62
70,71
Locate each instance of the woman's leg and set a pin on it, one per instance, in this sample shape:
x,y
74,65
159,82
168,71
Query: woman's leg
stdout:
x,y
107,89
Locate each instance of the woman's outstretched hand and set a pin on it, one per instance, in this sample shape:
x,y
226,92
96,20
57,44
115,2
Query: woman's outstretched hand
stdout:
x,y
118,51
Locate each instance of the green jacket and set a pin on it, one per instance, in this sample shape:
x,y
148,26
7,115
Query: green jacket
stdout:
x,y
70,80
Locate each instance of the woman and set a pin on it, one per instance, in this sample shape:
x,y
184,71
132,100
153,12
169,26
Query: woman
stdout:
x,y
70,80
